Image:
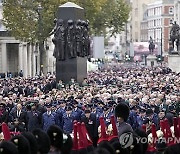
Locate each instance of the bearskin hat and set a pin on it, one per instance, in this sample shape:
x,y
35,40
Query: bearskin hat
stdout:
x,y
118,148
32,141
7,147
122,110
106,145
56,136
67,144
22,144
42,139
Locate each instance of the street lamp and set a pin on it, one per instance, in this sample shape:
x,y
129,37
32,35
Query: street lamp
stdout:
x,y
36,56
40,39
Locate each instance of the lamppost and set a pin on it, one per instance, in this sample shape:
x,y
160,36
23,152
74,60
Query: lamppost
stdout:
x,y
161,45
40,39
36,60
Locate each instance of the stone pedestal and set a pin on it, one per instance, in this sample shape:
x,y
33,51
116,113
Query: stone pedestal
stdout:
x,y
151,60
174,62
71,68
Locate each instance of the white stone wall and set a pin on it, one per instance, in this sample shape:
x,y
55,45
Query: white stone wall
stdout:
x,y
177,11
1,59
174,62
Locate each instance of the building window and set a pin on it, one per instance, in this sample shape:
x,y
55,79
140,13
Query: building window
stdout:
x,y
136,11
136,23
154,22
171,11
171,21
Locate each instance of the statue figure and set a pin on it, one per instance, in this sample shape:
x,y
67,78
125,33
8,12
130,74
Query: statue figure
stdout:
x,y
59,40
151,45
83,30
175,36
71,39
78,38
87,39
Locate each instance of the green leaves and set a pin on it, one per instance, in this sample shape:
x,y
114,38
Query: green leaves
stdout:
x,y
21,17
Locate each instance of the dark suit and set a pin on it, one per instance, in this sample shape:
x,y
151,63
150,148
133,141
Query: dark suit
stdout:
x,y
34,120
19,116
91,126
3,116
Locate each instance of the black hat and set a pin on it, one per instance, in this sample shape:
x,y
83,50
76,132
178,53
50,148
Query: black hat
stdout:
x,y
142,110
90,105
118,149
42,139
70,98
106,145
48,105
122,110
62,101
162,110
74,102
105,108
2,104
142,134
110,105
149,112
87,111
22,144
56,136
68,108
161,144
7,147
171,107
67,144
101,102
134,107
54,105
32,141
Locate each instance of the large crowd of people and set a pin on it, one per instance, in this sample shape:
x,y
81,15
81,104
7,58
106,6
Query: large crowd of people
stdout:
x,y
40,105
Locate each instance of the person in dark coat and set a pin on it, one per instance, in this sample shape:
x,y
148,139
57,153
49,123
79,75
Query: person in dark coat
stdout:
x,y
133,118
171,114
150,118
48,118
77,112
106,114
18,119
89,120
68,119
3,114
59,114
34,118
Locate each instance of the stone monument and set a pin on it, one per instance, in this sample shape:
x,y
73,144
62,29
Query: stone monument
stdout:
x,y
72,43
174,48
174,44
151,58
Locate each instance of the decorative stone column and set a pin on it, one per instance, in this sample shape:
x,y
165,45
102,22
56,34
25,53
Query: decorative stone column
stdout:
x,y
4,58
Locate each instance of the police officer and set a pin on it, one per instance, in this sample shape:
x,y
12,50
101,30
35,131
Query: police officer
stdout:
x,y
59,113
48,118
68,118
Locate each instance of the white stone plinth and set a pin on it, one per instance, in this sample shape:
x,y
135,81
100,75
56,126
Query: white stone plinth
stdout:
x,y
151,60
174,62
